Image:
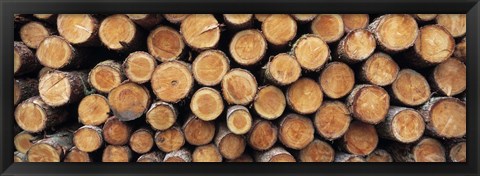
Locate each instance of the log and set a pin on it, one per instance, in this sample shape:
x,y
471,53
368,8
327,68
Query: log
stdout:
x,y
317,151
34,115
337,80
206,153
332,120
172,81
457,152
105,76
51,149
198,132
166,44
34,32
239,119
275,154
153,157
427,53
175,18
23,141
79,29
410,88
345,157
355,21
450,77
461,50
238,21
394,32
248,47
379,69
304,96
245,158
279,29
356,46
119,33
141,141
207,104
422,18
445,117
360,139
456,24
116,132
329,27
379,155
210,66
200,31
402,124
114,153
138,67
76,155
146,21
425,150
170,139
263,135
19,157
270,102
129,101
181,155
50,18
24,61
239,86
282,69
57,53
93,110
261,17
161,115
59,88
295,131
368,103
88,138
303,18
23,89
230,145
311,59
44,71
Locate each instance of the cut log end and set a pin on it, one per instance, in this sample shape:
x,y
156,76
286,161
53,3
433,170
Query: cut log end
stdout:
x,y
161,116
23,141
304,18
395,32
357,46
43,153
206,153
456,24
283,69
170,140
117,30
311,59
139,66
263,135
411,88
304,96
210,66
77,28
450,77
152,157
337,80
31,117
261,17
239,86
295,131
129,101
270,102
198,132
379,155
360,138
114,153
105,76
317,151
245,158
239,120
425,17
238,21
332,120
207,104
165,44
407,126
446,117
329,27
33,33
182,155
175,18
76,155
279,29
55,52
429,52
380,69
200,31
146,21
55,88
355,21
429,150
116,132
93,110
88,138
344,157
276,154
141,141
172,81
458,153
231,146
248,47
369,103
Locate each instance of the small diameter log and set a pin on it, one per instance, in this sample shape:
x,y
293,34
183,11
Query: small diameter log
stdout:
x,y
206,153
23,141
230,145
402,124
283,69
356,46
181,155
355,21
57,53
422,18
445,117
245,158
147,21
24,61
50,18
175,18
51,149
410,88
138,67
263,135
456,24
59,88
200,31
426,150
172,81
379,155
449,77
275,154
24,89
458,152
19,157
345,157
34,115
210,66
309,58
129,101
379,69
198,132
114,153
153,157
93,110
317,151
394,32
368,103
261,17
141,141
337,80
170,140
166,44
332,120
248,47
329,27
161,115
33,33
88,138
76,155
239,86
279,29
461,50
270,102
116,132
78,29
427,53
238,21
207,104
304,18
239,120
360,139
295,131
304,96
105,76
119,33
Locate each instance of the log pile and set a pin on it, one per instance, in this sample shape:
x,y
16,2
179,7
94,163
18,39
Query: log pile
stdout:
x,y
240,88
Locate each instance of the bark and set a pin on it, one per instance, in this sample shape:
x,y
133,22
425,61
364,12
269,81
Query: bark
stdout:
x,y
52,148
59,88
42,115
23,89
24,61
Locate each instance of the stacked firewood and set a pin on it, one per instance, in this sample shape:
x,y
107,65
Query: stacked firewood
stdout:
x,y
240,88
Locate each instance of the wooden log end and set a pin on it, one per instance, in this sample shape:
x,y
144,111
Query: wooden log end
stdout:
x,y
407,125
356,46
153,157
175,18
245,158
207,104
450,77
380,69
329,27
239,86
55,52
170,140
332,120
78,28
141,141
311,59
206,153
283,69
113,153
34,116
165,44
139,66
116,32
458,152
172,81
360,138
88,138
146,21
387,29
269,102
238,21
317,151
345,157
105,76
379,155
93,110
239,119
261,17
429,150
198,132
129,101
229,144
355,21
209,67
161,115
279,29
33,33
304,96
424,17
76,155
304,18
263,135
116,132
456,24
275,154
23,141
429,53
369,103
411,88
337,80
181,155
446,117
200,31
295,131
248,47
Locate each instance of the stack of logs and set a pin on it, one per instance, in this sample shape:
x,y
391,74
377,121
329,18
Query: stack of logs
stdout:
x,y
240,88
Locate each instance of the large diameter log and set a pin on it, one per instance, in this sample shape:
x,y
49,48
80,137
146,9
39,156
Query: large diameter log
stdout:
x,y
410,88
317,151
275,154
198,132
245,158
283,69
172,81
24,60
355,21
34,115
263,135
57,53
445,117
165,44
181,155
332,120
23,141
337,80
239,86
239,119
78,29
119,33
404,125
238,21
153,157
456,24
51,149
303,18
270,102
210,66
138,67
356,46
309,58
360,139
449,77
93,110
304,96
76,155
33,33
59,88
426,150
88,138
458,152
279,29
105,76
200,31
379,69
248,47
170,139
345,157
207,104
379,155
206,153
114,153
261,17
422,18
427,53
394,32
129,101
368,103
141,141
461,50
161,115
230,145
116,132
24,89
147,21
295,131
329,27
175,18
